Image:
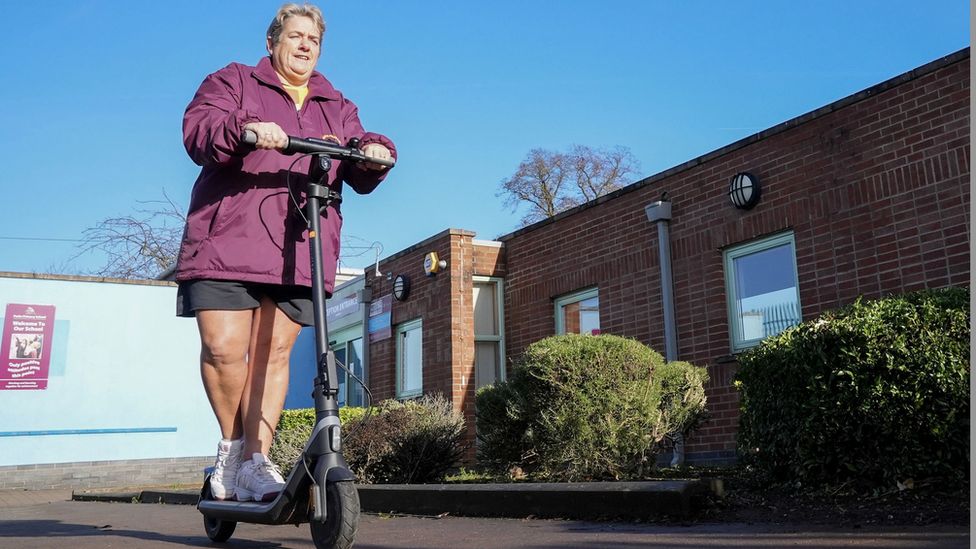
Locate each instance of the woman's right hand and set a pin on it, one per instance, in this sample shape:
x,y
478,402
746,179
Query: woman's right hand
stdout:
x,y
270,135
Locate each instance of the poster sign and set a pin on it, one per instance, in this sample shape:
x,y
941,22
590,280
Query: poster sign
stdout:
x,y
26,346
342,308
380,313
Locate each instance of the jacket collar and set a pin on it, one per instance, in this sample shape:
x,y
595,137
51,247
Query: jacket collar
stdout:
x,y
318,86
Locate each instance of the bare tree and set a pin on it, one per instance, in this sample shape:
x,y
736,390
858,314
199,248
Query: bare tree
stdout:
x,y
539,183
146,244
599,172
141,245
551,182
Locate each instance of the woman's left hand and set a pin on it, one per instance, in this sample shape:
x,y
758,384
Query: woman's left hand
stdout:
x,y
378,151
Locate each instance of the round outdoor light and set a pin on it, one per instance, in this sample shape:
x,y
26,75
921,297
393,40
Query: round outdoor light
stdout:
x,y
401,287
744,190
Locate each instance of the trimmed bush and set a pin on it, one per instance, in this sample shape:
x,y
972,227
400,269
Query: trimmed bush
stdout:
x,y
294,428
862,397
397,442
583,407
416,441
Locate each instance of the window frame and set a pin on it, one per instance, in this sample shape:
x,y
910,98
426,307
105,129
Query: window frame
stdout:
x,y
401,329
342,339
500,308
568,299
729,255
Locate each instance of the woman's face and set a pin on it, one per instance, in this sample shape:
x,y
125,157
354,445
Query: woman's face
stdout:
x,y
297,50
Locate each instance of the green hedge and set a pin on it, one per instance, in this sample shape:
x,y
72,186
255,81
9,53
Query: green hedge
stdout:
x,y
862,397
294,428
582,407
416,441
397,442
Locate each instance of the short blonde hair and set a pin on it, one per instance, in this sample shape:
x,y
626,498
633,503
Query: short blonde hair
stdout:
x,y
293,10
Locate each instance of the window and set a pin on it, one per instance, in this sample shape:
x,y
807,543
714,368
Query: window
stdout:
x,y
761,285
489,338
350,354
410,359
579,313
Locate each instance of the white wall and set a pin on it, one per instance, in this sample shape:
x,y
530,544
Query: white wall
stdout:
x,y
121,359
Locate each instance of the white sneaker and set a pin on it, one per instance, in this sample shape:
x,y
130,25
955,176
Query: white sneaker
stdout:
x,y
259,480
223,481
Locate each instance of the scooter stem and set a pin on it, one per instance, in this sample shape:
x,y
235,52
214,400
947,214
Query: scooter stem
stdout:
x,y
326,385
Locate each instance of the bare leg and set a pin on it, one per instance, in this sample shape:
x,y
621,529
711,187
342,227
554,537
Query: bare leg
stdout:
x,y
273,334
224,337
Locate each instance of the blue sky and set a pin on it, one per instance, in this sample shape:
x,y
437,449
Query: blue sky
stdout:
x,y
95,91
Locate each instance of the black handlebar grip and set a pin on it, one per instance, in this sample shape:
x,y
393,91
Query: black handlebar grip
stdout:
x,y
381,162
249,137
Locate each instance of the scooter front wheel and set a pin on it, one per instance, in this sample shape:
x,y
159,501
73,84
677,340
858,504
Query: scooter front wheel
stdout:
x,y
341,520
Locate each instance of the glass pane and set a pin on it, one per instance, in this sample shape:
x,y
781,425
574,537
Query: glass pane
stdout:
x,y
582,317
590,316
412,360
485,309
340,356
765,292
486,366
355,350
571,318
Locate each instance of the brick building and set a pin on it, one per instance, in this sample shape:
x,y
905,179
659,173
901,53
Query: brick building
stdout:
x,y
867,196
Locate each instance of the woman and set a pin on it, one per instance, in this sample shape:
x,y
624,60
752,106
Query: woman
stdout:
x,y
243,268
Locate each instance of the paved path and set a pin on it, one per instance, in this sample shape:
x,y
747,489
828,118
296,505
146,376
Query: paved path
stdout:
x,y
21,498
49,521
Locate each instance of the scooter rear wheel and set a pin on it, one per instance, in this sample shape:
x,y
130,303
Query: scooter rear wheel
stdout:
x,y
342,517
218,530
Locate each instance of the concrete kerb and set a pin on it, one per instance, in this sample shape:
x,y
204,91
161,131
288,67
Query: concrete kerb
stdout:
x,y
589,500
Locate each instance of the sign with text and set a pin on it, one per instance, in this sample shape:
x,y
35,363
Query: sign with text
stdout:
x,y
26,346
380,313
341,308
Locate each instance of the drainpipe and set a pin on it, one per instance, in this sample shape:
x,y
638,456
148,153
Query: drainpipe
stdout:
x,y
660,212
365,297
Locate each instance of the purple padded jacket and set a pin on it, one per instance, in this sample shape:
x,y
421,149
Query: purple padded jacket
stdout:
x,y
242,225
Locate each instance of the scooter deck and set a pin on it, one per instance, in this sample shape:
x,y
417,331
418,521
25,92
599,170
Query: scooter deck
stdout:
x,y
272,512
282,510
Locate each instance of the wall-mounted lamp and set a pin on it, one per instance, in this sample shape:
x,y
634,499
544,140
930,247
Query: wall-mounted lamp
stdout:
x,y
744,190
401,288
433,264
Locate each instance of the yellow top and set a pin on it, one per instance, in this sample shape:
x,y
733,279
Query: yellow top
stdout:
x,y
297,93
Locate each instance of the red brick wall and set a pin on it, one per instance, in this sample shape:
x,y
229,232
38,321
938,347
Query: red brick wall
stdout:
x,y
444,303
429,299
874,187
489,260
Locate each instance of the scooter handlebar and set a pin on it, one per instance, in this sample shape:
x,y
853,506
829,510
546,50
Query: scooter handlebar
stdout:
x,y
307,145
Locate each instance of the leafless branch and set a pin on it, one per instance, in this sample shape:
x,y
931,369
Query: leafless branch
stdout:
x,y
140,245
545,180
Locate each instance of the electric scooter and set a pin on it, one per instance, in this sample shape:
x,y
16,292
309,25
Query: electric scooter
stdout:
x,y
319,488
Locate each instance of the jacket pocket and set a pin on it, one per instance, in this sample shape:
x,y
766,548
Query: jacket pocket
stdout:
x,y
229,211
213,218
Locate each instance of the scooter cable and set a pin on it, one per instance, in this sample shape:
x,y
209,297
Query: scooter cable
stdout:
x,y
291,194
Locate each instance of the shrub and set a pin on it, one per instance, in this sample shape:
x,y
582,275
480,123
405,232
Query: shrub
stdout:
x,y
862,397
416,441
294,428
397,442
581,407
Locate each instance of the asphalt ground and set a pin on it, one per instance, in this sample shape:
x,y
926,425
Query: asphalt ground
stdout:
x,y
49,520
